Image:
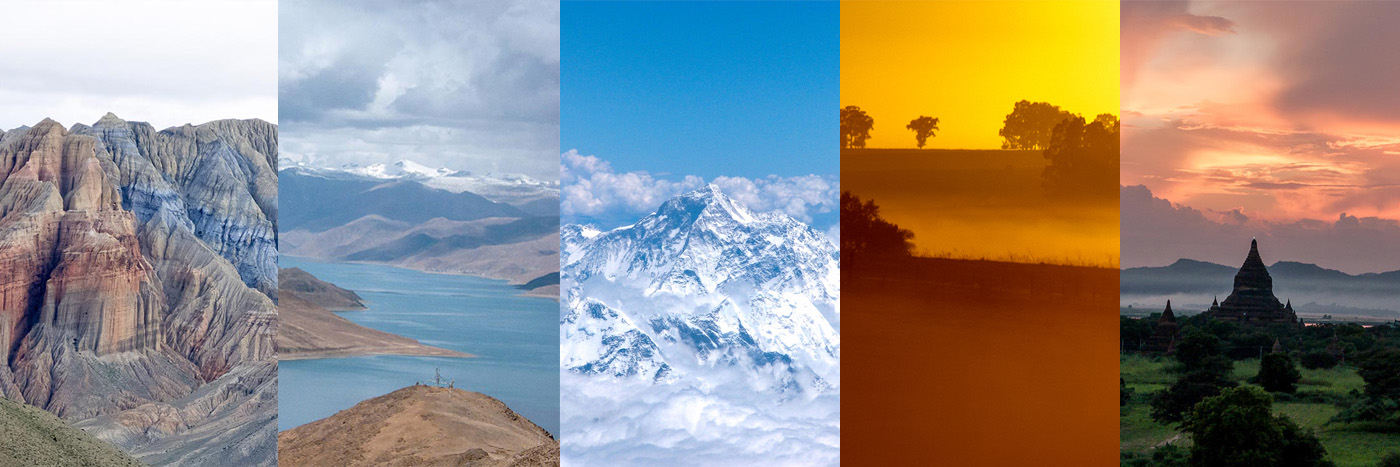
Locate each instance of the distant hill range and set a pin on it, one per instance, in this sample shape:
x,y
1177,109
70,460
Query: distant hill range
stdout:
x,y
435,220
1311,288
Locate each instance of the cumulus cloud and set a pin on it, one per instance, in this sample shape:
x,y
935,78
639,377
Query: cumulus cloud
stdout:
x,y
1157,232
164,62
364,84
592,189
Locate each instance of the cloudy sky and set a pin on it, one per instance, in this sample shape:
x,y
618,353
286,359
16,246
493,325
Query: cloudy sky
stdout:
x,y
664,97
1272,119
464,85
164,62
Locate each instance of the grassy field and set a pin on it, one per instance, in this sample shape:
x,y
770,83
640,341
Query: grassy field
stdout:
x,y
31,436
1348,444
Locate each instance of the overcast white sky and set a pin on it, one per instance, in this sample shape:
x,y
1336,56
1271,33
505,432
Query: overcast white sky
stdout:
x,y
164,62
468,85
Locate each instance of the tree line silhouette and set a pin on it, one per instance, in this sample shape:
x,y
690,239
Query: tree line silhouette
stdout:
x,y
1082,155
864,234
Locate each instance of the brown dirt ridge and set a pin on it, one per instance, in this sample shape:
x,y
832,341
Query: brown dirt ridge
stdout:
x,y
421,426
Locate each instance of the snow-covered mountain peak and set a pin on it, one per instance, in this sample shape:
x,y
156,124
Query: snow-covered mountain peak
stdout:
x,y
510,188
705,201
710,284
402,168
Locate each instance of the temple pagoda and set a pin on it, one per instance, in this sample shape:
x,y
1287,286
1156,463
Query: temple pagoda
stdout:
x,y
1253,300
1163,338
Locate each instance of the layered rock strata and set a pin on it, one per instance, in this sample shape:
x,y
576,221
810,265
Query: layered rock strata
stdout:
x,y
137,269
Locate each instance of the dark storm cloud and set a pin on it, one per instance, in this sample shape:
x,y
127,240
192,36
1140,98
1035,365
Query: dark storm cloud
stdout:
x,y
349,83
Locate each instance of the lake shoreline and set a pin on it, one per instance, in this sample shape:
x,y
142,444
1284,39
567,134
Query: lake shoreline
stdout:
x,y
479,332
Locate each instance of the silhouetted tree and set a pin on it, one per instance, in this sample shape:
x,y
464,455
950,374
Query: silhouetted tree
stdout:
x,y
1030,125
923,128
1238,429
865,233
855,127
1083,158
1108,121
1277,374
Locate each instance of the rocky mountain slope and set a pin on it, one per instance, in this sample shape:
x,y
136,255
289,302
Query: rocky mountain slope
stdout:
x,y
137,275
703,283
421,426
688,324
310,329
31,436
425,219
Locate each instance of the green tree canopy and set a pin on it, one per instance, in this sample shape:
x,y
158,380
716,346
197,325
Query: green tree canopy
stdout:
x,y
1277,374
1030,125
855,127
923,128
1204,369
1238,429
1381,371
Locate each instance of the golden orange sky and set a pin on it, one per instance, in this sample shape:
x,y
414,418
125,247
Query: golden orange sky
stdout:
x,y
1275,120
968,62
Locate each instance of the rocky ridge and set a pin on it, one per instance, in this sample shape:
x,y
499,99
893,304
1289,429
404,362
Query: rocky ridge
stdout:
x,y
137,276
422,426
703,284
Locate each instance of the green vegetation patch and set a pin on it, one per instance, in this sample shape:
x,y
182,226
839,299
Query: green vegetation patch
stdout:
x,y
1319,391
31,436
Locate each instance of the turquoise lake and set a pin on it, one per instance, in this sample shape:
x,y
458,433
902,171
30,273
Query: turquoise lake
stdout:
x,y
515,340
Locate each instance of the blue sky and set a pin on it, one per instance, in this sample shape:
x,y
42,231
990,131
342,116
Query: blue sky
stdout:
x,y
657,98
703,88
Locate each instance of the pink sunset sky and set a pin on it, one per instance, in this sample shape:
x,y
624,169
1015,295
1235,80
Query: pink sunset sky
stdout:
x,y
1279,120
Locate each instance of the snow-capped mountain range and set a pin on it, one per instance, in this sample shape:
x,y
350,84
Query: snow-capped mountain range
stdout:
x,y
704,289
508,188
